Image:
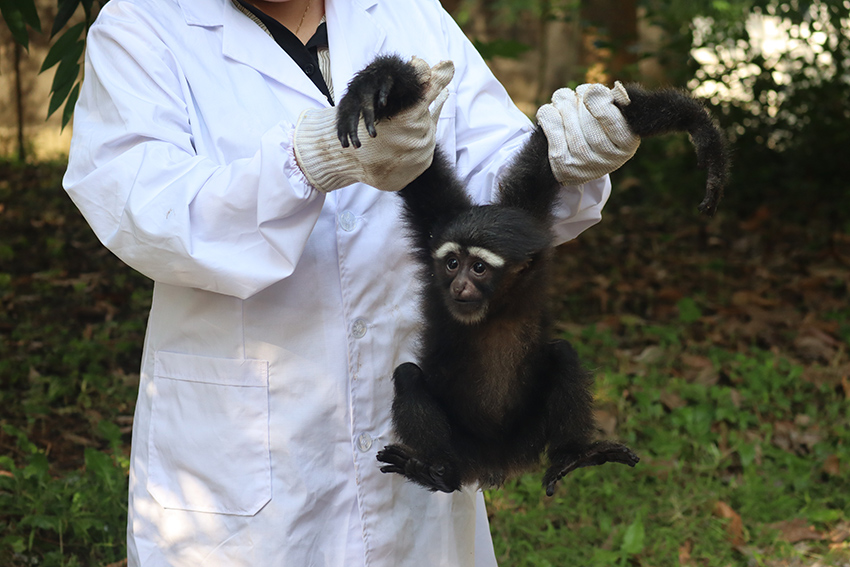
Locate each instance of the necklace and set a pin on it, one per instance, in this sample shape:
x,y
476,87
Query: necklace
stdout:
x,y
304,15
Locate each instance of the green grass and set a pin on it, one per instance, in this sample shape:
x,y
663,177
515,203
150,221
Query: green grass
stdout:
x,y
733,418
700,444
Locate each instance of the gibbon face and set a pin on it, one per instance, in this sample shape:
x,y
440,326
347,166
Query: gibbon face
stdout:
x,y
467,276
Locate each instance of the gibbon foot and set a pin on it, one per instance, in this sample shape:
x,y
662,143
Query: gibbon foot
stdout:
x,y
598,454
432,477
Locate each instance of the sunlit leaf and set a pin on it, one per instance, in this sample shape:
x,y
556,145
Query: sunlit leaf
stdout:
x,y
633,539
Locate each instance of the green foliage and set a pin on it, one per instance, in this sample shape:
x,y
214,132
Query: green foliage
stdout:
x,y
76,519
71,329
18,15
501,48
784,103
66,51
699,446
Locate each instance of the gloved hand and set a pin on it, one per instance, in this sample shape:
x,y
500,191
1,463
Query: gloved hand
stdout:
x,y
402,150
588,136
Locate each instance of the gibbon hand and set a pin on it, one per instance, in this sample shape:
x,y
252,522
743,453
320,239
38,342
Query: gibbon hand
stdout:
x,y
402,150
588,136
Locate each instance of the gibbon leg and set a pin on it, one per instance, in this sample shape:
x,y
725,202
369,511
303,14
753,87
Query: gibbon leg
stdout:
x,y
570,421
425,454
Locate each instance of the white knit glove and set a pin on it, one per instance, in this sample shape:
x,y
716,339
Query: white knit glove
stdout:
x,y
402,150
588,136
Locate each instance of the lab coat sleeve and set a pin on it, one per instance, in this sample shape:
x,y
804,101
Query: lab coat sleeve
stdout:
x,y
491,129
176,216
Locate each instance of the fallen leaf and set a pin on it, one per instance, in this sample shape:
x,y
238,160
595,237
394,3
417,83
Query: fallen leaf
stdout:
x,y
832,466
672,400
606,421
840,533
796,530
650,355
685,553
735,527
705,377
745,297
754,223
696,361
789,437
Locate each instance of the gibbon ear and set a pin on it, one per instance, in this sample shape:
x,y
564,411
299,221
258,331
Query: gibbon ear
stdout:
x,y
522,267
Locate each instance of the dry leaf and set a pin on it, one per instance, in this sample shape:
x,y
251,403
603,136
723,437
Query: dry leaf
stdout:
x,y
789,437
796,530
746,297
650,355
840,533
672,400
735,527
832,466
685,554
705,377
696,361
606,421
754,223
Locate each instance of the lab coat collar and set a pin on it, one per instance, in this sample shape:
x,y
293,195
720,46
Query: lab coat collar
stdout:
x,y
241,42
347,18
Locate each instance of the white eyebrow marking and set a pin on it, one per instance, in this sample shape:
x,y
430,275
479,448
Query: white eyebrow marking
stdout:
x,y
446,249
490,257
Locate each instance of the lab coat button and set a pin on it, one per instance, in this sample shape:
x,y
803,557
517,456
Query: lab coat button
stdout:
x,y
359,328
347,221
364,442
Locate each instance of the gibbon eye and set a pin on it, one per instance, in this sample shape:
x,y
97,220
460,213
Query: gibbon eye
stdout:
x,y
479,268
452,264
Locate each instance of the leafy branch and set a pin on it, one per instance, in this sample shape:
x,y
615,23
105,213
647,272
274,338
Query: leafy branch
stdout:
x,y
67,50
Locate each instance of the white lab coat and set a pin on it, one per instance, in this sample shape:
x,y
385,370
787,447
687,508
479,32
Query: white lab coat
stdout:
x,y
278,313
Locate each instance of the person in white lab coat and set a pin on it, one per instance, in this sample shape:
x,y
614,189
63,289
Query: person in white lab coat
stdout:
x,y
280,306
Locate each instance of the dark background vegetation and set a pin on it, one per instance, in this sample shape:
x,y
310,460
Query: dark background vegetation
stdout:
x,y
720,345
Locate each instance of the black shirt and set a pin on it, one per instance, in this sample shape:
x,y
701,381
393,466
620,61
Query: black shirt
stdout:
x,y
306,56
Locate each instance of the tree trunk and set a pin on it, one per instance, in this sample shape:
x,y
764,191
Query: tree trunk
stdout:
x,y
609,49
19,102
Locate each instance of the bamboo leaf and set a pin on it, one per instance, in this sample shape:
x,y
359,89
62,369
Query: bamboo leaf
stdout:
x,y
58,51
67,72
15,21
63,15
30,14
87,6
70,105
63,81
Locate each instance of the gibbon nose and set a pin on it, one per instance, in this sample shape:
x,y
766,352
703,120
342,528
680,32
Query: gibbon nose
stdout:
x,y
464,290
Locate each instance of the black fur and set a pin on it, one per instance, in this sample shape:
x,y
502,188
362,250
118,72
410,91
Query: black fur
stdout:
x,y
488,395
670,110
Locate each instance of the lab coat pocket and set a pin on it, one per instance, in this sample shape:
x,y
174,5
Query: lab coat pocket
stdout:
x,y
209,436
